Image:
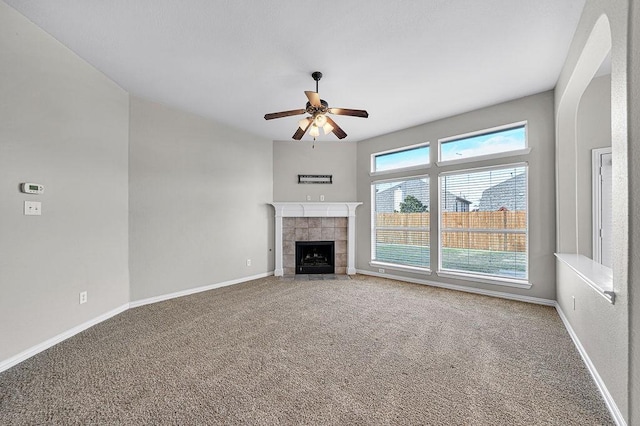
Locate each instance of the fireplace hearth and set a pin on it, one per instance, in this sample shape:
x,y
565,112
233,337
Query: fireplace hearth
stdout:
x,y
315,257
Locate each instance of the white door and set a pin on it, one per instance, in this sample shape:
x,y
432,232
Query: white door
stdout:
x,y
602,209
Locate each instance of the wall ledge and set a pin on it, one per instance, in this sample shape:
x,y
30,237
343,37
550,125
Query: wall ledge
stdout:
x,y
596,275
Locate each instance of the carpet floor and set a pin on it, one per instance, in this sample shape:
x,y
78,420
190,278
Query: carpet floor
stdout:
x,y
276,351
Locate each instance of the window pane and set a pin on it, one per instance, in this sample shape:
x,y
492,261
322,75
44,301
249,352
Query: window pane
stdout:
x,y
484,144
483,218
403,247
401,159
496,254
401,228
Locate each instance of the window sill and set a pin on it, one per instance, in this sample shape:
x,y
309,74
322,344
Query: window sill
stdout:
x,y
495,156
396,267
596,275
485,280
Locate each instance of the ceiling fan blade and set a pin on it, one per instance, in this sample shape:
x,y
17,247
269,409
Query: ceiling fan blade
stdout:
x,y
300,132
314,98
284,114
336,129
346,111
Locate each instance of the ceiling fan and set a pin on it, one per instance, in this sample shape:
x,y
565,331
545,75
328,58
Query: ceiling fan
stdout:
x,y
318,109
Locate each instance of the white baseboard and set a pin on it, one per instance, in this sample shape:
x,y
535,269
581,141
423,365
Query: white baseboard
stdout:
x,y
492,293
34,350
187,292
611,405
608,399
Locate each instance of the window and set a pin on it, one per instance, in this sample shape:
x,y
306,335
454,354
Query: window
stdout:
x,y
491,142
483,222
401,222
406,158
480,217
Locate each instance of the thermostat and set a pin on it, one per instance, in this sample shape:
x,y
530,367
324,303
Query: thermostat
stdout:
x,y
31,188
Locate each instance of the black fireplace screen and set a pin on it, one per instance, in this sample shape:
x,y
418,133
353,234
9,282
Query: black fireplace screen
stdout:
x,y
315,257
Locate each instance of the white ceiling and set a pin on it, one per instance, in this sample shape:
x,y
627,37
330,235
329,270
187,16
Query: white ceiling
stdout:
x,y
405,61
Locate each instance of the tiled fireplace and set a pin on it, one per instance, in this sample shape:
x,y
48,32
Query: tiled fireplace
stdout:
x,y
320,229
315,222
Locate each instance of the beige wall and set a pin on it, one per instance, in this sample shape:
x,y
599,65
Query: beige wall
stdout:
x,y
198,194
291,158
65,125
538,111
634,219
603,25
594,131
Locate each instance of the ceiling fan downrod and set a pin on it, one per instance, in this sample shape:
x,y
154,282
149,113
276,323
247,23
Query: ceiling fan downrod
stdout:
x,y
317,75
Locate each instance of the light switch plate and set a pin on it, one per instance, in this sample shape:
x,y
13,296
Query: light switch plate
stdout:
x,y
32,208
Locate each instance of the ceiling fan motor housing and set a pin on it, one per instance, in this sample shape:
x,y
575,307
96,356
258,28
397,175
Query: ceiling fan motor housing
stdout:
x,y
324,106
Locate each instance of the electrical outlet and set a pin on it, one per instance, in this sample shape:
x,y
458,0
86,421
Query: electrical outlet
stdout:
x,y
308,197
248,262
381,270
322,198
83,297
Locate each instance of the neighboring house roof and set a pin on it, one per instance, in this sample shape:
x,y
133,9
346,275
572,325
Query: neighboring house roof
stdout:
x,y
510,195
386,200
454,203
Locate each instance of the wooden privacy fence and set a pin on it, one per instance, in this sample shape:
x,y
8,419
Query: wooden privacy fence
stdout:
x,y
469,230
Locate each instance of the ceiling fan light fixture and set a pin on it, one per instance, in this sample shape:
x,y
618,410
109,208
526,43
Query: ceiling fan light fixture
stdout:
x,y
328,128
320,120
304,123
315,132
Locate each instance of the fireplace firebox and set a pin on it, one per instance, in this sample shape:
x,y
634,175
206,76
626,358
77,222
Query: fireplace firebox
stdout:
x,y
315,257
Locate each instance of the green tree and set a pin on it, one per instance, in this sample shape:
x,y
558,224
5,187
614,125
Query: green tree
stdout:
x,y
412,205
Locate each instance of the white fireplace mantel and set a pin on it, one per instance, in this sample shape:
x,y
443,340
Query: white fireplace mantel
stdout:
x,y
299,209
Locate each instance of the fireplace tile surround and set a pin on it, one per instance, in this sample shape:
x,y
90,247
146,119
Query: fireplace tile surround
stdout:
x,y
314,229
315,222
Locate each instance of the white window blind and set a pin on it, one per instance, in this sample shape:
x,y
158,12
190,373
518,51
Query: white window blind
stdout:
x,y
483,222
401,222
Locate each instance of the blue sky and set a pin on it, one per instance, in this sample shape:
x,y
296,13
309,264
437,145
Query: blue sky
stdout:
x,y
506,140
396,160
491,143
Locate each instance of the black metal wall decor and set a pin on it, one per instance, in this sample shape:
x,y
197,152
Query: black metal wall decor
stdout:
x,y
324,179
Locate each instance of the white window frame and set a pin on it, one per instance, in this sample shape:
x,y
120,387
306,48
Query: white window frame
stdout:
x,y
495,156
477,276
397,266
373,172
